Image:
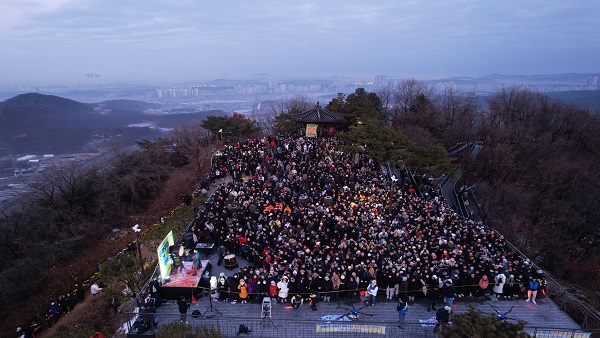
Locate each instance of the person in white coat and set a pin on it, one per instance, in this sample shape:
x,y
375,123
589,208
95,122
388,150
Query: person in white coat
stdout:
x,y
283,289
95,289
500,280
214,288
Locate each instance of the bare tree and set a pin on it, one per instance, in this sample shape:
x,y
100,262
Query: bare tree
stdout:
x,y
11,223
278,117
193,143
513,104
406,95
386,95
458,112
62,186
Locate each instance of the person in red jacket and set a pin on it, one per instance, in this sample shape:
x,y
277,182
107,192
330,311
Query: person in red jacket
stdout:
x,y
273,290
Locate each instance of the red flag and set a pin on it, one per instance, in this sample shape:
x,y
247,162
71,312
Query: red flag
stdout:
x,y
194,300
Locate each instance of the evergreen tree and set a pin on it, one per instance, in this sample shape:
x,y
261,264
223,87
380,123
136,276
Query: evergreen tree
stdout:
x,y
475,323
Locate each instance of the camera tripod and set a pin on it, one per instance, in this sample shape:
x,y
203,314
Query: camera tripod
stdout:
x,y
210,307
265,314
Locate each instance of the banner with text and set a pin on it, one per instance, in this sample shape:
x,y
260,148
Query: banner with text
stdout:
x,y
164,261
557,333
328,328
311,130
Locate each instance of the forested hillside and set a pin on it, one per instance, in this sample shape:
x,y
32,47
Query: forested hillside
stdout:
x,y
68,218
536,176
539,181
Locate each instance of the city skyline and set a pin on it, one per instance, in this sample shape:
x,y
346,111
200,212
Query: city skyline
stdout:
x,y
78,41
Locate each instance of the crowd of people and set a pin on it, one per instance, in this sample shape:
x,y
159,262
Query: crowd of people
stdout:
x,y
317,222
312,220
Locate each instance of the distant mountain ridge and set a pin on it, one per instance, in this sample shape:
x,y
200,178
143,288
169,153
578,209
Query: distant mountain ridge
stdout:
x,y
34,103
36,123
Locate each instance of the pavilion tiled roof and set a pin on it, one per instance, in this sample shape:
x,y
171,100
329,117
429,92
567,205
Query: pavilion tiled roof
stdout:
x,y
317,115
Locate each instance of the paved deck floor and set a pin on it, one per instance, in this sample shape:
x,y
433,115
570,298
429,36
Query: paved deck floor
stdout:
x,y
545,314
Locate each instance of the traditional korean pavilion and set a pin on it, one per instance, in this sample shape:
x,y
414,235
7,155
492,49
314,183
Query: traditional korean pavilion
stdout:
x,y
317,120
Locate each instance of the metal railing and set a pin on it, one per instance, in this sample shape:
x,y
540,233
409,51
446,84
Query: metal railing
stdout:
x,y
458,148
583,315
282,328
229,326
462,209
414,182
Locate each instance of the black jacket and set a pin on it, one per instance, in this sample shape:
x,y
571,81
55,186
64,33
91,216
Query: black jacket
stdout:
x,y
442,316
448,291
183,305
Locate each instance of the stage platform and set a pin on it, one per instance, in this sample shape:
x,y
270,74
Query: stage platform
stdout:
x,y
182,282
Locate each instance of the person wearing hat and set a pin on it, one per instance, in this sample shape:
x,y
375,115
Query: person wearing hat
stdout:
x,y
372,292
283,289
223,287
313,301
433,291
273,291
296,303
532,289
243,291
499,282
443,317
449,292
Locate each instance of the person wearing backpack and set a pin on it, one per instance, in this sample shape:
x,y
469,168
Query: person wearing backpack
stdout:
x,y
402,309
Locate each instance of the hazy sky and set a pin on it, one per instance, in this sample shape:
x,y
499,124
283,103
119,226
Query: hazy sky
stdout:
x,y
176,40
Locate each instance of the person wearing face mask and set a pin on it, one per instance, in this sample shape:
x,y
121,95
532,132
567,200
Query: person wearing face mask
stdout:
x,y
243,291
